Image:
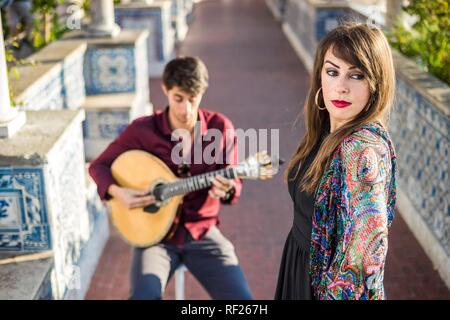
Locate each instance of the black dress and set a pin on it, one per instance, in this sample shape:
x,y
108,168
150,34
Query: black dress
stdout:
x,y
293,279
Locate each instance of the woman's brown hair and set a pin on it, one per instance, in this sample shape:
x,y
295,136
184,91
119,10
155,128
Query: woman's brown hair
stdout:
x,y
367,48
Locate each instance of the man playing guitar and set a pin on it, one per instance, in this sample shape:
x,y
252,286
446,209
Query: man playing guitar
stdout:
x,y
194,238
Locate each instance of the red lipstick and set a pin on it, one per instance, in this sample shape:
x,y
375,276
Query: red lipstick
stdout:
x,y
340,103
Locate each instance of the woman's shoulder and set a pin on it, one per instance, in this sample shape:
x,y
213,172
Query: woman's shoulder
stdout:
x,y
367,150
372,135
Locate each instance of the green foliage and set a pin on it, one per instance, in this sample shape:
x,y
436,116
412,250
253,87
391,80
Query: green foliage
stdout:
x,y
48,28
4,24
85,6
428,39
12,69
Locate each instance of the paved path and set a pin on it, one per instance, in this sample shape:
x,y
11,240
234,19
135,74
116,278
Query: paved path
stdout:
x,y
257,80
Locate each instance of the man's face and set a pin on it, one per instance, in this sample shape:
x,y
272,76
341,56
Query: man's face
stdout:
x,y
183,107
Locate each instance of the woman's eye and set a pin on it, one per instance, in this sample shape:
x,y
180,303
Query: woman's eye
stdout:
x,y
332,73
357,76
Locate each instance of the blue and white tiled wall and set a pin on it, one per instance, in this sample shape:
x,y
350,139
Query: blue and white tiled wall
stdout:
x,y
61,87
66,200
158,21
73,81
46,93
421,136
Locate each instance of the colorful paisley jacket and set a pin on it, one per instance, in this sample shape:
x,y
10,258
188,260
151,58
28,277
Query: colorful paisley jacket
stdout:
x,y
354,206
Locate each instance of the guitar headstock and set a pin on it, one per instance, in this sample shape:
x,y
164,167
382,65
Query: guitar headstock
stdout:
x,y
259,166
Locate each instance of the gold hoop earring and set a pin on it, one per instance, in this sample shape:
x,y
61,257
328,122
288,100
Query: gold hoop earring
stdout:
x,y
316,98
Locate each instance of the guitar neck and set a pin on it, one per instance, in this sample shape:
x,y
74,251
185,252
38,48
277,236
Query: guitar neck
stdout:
x,y
199,182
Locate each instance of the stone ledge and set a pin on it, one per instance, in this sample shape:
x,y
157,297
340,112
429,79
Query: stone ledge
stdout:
x,y
110,102
329,4
31,144
57,51
125,37
136,5
434,90
24,281
32,75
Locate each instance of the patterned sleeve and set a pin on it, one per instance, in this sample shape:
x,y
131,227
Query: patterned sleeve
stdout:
x,y
363,222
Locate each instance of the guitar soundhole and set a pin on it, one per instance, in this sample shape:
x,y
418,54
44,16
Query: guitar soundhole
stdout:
x,y
151,208
157,192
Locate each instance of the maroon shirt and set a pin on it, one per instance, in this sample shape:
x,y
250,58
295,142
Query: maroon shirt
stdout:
x,y
153,134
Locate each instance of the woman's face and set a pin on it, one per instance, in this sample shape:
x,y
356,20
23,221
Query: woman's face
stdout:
x,y
345,90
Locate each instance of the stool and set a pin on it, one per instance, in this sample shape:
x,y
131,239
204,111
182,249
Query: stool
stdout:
x,y
179,282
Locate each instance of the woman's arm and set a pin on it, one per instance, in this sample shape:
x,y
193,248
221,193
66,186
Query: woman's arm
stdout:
x,y
358,265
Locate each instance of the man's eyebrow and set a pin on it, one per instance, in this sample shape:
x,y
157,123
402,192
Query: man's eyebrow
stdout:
x,y
352,67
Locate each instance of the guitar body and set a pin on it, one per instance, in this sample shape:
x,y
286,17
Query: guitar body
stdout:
x,y
139,170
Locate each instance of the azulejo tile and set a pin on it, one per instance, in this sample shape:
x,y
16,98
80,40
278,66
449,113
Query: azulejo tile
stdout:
x,y
106,125
110,70
23,213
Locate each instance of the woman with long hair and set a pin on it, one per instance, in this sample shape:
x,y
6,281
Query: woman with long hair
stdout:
x,y
342,177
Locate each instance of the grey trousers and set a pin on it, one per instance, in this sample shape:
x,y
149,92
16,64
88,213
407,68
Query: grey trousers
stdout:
x,y
212,260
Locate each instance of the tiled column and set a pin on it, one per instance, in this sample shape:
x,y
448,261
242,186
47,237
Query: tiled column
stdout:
x,y
117,87
43,198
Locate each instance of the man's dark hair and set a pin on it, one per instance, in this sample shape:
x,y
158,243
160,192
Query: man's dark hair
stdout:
x,y
187,73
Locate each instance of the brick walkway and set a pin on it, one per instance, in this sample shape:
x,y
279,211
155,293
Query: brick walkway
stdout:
x,y
258,81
